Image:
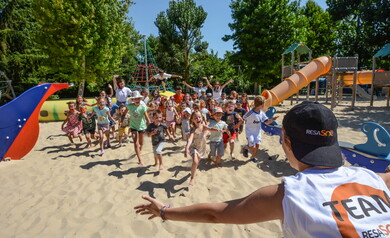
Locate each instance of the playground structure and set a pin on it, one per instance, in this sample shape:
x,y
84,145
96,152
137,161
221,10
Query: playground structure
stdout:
x,y
20,127
373,155
340,72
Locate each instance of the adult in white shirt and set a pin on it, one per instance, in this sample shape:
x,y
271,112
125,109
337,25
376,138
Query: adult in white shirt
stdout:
x,y
324,199
217,89
161,78
121,91
198,89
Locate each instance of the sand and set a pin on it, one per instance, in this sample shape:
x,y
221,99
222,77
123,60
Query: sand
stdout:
x,y
58,190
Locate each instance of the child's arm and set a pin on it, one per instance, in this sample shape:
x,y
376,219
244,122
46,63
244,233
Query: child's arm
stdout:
x,y
240,121
269,121
212,129
92,114
186,84
111,91
112,119
230,81
189,142
63,124
176,114
147,117
114,81
208,84
150,132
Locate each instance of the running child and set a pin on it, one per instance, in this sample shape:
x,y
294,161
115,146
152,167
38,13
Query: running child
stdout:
x,y
104,117
89,125
196,143
234,121
138,119
253,119
185,123
171,116
73,124
123,123
241,111
157,131
216,143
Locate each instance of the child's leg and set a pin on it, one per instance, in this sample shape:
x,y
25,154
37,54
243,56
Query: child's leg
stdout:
x,y
155,159
218,160
254,150
120,133
88,138
107,132
195,163
135,136
159,157
163,84
140,140
219,153
101,138
70,138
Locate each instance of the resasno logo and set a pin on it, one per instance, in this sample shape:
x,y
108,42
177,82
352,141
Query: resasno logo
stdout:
x,y
319,133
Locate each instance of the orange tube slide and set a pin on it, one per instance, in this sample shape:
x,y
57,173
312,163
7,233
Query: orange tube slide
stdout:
x,y
295,82
362,78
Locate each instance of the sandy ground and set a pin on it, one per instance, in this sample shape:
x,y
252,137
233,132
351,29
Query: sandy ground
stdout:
x,y
58,190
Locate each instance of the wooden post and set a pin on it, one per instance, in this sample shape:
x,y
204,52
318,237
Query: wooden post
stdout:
x,y
308,92
82,83
372,83
281,78
340,85
334,81
328,82
316,92
354,83
388,96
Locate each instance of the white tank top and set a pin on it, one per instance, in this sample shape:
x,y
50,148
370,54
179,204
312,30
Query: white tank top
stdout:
x,y
170,115
342,202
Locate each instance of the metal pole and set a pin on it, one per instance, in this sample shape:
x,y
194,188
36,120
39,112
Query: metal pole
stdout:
x,y
146,64
372,83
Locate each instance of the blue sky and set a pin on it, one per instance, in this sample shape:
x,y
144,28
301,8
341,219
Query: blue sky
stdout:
x,y
144,13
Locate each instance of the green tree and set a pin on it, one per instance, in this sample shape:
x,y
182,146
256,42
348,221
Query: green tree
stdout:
x,y
321,30
363,26
180,32
85,40
261,31
19,55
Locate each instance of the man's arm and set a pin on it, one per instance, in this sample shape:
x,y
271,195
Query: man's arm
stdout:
x,y
265,204
386,178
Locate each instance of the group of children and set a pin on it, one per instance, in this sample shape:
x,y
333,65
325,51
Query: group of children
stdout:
x,y
199,116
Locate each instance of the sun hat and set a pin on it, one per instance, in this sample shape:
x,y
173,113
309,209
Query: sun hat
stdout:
x,y
312,129
187,109
217,109
136,94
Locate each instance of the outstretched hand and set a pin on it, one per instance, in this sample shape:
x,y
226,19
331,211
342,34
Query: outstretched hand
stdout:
x,y
153,208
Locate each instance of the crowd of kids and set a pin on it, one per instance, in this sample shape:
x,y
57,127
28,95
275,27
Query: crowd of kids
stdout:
x,y
198,118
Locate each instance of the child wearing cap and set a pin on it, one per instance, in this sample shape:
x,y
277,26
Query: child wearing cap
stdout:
x,y
203,95
138,119
233,121
217,147
185,123
253,120
324,199
156,131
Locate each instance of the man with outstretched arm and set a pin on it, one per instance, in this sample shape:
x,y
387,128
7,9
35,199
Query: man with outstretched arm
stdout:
x,y
324,199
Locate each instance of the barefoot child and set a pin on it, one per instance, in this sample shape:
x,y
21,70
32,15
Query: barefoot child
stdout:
x,y
89,125
171,116
124,121
185,123
103,115
73,124
157,131
253,119
138,119
216,143
234,121
196,143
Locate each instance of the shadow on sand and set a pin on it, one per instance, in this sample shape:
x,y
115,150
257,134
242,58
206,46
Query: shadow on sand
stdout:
x,y
168,186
